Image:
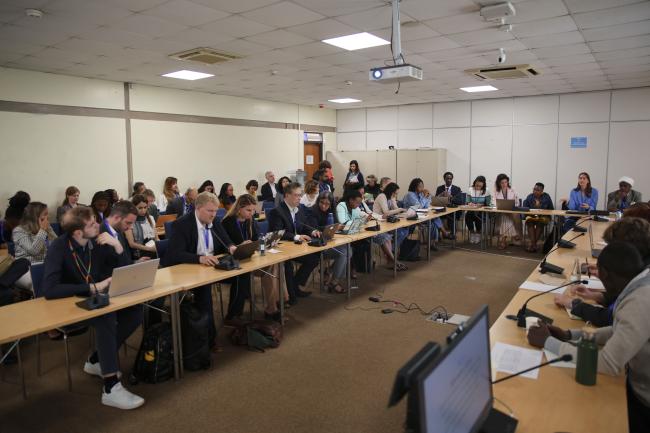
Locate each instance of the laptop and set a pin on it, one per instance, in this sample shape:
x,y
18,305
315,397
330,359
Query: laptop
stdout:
x,y
440,201
244,251
595,252
503,204
328,231
353,226
162,219
127,279
272,239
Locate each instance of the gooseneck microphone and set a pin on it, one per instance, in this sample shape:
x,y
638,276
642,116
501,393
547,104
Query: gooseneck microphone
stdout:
x,y
563,358
578,229
562,243
525,312
547,267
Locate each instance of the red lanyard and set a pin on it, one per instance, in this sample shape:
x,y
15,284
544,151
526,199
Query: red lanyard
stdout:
x,y
80,264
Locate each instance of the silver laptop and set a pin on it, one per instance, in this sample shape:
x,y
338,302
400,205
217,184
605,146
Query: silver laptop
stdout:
x,y
133,277
353,226
595,252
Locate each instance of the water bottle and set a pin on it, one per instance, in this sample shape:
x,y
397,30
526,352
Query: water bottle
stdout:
x,y
330,219
587,363
262,247
619,215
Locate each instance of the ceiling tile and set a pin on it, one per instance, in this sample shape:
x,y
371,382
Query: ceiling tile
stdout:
x,y
10,33
324,29
480,37
315,49
138,5
235,6
429,45
341,58
617,31
284,14
544,27
557,39
334,8
622,54
576,6
236,26
621,43
569,60
409,31
194,37
279,39
458,23
372,19
241,47
89,11
613,16
186,13
564,50
533,10
427,9
148,25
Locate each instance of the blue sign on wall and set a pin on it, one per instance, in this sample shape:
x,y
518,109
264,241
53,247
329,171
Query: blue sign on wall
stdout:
x,y
578,142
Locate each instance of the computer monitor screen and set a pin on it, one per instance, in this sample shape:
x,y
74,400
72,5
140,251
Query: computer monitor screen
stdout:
x,y
456,391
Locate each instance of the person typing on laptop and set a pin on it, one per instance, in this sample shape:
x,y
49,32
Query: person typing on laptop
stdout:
x,y
78,263
453,194
195,239
287,216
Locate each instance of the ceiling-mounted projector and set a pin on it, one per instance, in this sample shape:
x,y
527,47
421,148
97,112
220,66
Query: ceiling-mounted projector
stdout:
x,y
391,74
498,12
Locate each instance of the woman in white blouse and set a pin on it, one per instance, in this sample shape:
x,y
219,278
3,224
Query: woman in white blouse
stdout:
x,y
311,193
509,224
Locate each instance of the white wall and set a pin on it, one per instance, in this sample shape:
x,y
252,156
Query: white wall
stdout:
x,y
525,137
43,154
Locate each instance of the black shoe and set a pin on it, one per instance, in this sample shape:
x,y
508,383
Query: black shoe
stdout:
x,y
302,293
292,300
273,316
433,247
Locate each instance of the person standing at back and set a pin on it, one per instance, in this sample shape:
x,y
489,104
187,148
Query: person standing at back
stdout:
x,y
354,176
269,189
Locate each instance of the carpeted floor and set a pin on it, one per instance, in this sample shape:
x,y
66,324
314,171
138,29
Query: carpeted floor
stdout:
x,y
332,373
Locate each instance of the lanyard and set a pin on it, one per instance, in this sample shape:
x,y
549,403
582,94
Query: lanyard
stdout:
x,y
242,229
81,267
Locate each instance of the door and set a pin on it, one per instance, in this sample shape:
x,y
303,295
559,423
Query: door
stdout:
x,y
312,158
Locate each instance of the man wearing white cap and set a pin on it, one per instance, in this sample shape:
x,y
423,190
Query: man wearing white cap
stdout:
x,y
622,198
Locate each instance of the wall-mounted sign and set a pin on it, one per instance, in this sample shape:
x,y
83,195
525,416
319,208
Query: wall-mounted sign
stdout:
x,y
309,159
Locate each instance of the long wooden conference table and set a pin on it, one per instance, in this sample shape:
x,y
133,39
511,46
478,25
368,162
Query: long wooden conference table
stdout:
x,y
553,402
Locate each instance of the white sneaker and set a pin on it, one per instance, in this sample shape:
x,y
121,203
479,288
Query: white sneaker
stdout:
x,y
95,369
121,398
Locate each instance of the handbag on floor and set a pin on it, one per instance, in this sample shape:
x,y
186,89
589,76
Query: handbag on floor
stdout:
x,y
257,335
195,331
409,250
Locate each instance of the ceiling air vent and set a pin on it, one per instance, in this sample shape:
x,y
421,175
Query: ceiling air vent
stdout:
x,y
204,55
503,72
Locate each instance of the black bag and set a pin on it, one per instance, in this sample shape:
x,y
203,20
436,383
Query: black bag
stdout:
x,y
361,256
257,335
409,250
195,336
155,360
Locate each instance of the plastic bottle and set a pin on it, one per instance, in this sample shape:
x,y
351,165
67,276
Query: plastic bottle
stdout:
x,y
619,215
262,247
330,219
587,363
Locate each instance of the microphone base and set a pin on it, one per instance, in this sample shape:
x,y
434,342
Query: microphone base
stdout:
x,y
498,422
579,229
547,267
565,244
521,318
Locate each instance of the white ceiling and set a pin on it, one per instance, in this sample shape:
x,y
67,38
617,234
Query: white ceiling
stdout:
x,y
578,45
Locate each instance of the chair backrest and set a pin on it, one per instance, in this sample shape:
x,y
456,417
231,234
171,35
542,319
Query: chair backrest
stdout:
x,y
161,249
263,227
37,270
221,212
162,219
168,229
57,228
268,205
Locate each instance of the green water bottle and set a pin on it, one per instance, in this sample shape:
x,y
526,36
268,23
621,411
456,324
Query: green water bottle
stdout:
x,y
587,363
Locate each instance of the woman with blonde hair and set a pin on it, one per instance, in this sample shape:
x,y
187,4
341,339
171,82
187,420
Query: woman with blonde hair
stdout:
x,y
242,228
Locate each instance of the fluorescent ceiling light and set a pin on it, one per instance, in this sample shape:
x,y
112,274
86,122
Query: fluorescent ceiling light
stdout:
x,y
188,75
478,89
344,100
357,41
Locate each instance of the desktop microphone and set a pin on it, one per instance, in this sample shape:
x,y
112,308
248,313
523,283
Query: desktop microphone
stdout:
x,y
578,229
525,312
228,261
568,244
315,241
563,358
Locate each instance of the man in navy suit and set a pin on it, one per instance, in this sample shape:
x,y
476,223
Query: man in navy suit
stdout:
x,y
453,193
195,239
287,216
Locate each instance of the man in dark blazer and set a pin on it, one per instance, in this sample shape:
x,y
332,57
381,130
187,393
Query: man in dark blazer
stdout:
x,y
195,239
182,205
269,189
287,216
453,193
122,217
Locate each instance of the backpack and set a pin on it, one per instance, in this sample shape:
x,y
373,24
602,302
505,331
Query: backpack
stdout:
x,y
409,250
155,360
361,256
195,337
257,335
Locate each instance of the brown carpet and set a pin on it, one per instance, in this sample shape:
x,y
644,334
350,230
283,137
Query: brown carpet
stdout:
x,y
333,372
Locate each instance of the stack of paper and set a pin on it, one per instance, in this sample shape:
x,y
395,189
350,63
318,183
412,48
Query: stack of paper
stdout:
x,y
513,359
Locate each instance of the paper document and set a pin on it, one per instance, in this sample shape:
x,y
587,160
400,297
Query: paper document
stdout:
x,y
273,251
513,359
595,284
538,287
550,355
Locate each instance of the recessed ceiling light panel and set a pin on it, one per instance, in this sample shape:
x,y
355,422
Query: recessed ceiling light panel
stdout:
x,y
478,89
344,100
188,75
356,41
